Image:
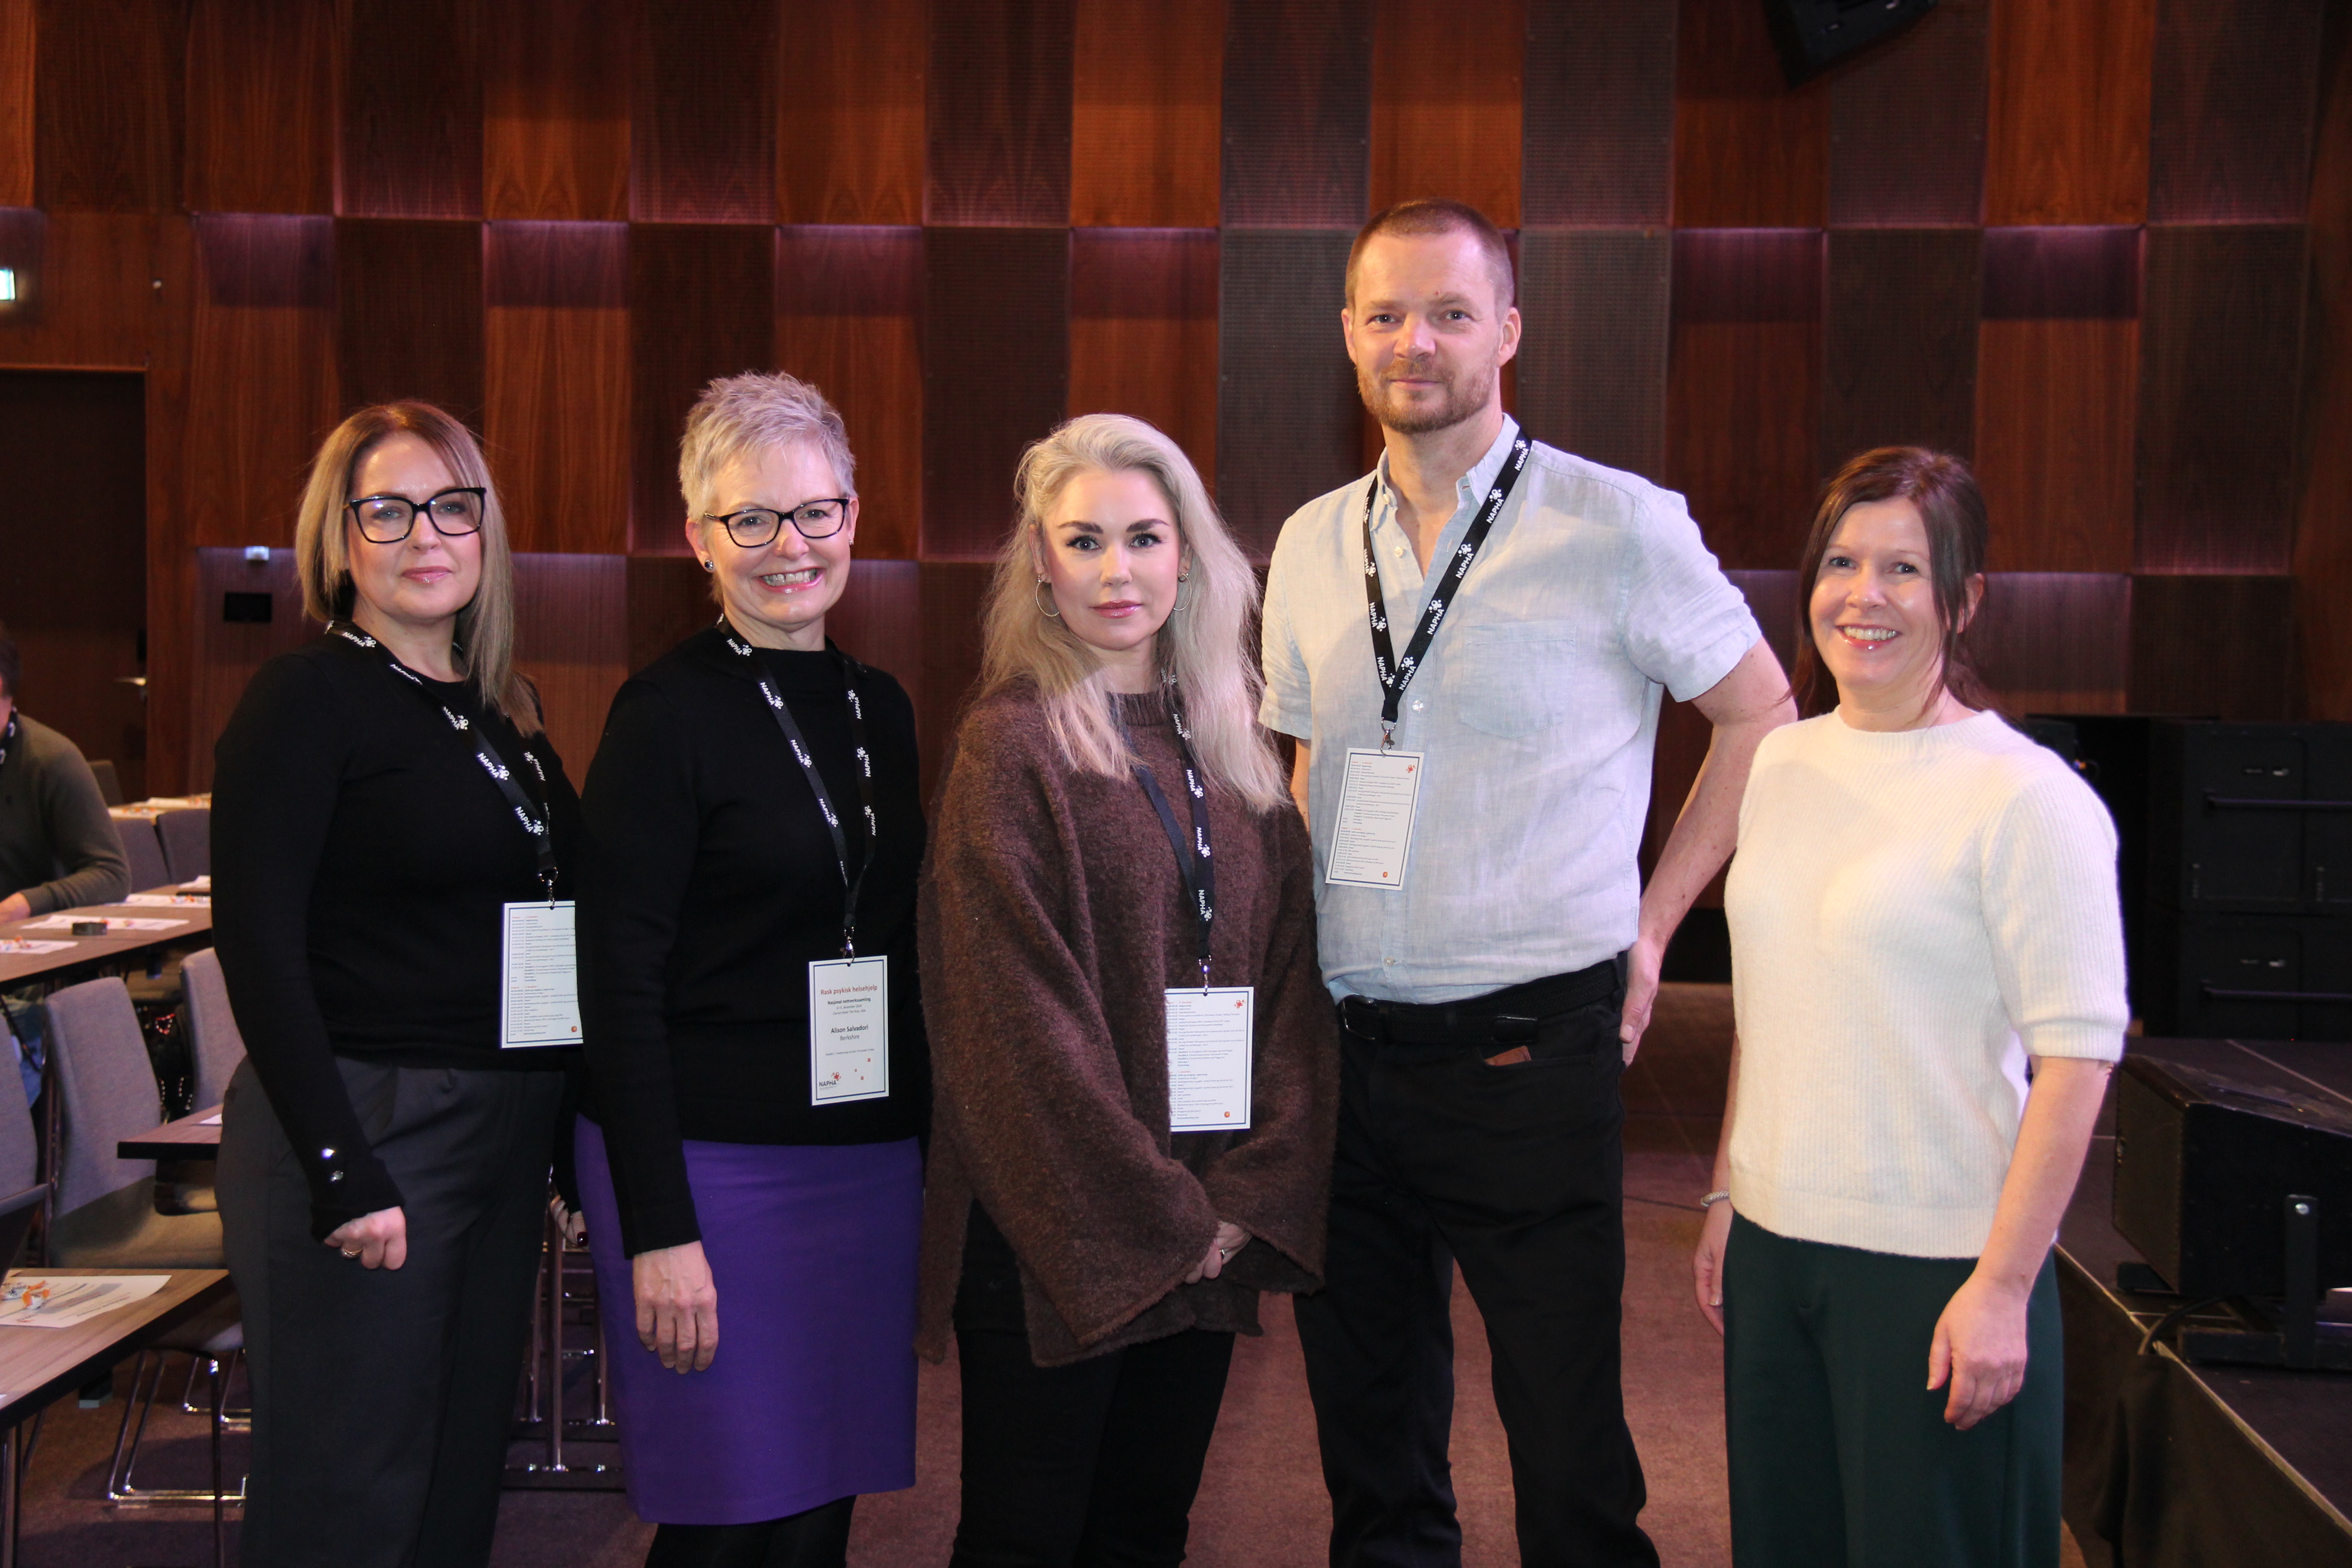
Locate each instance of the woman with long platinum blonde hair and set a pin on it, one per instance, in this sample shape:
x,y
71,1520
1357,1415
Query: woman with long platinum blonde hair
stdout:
x,y
1134,1058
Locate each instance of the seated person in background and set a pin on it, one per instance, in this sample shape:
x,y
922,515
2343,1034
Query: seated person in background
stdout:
x,y
58,849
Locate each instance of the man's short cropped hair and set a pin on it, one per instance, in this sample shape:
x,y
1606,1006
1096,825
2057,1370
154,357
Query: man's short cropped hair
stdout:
x,y
1433,215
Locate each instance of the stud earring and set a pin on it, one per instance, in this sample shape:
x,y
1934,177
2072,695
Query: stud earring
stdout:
x,y
1046,608
707,566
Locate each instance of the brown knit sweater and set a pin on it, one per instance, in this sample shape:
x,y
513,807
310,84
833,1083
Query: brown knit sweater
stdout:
x,y
1052,921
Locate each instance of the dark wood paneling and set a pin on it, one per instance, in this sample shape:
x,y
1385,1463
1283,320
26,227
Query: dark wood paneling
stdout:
x,y
555,109
1901,344
999,92
555,382
408,312
108,104
848,318
261,106
669,600
19,137
1143,332
1592,359
879,620
1907,126
702,117
171,564
2323,538
1743,388
2054,642
263,333
1447,82
225,655
2233,101
1145,114
996,363
571,631
1289,424
1298,112
951,594
2066,127
85,288
849,126
2221,340
412,109
2222,646
1750,151
702,306
1599,131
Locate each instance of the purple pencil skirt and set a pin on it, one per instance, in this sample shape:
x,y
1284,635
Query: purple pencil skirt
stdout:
x,y
812,1395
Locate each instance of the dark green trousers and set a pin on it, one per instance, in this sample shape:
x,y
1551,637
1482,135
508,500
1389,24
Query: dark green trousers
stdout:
x,y
1839,1454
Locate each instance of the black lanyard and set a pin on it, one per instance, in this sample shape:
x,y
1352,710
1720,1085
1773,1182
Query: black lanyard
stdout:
x,y
1194,867
533,816
850,884
1397,674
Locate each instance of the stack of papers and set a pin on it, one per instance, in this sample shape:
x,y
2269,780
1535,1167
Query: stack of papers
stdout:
x,y
32,1300
28,946
197,900
67,920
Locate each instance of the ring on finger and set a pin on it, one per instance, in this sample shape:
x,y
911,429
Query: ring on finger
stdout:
x,y
349,1253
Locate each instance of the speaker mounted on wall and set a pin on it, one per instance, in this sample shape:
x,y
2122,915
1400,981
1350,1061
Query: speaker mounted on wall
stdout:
x,y
1814,34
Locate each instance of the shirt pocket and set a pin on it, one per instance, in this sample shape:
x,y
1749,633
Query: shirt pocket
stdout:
x,y
1511,680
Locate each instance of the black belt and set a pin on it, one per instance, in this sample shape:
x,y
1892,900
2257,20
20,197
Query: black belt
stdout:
x,y
1505,1017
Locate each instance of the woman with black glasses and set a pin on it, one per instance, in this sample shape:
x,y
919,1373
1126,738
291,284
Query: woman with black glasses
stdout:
x,y
757,1065
387,817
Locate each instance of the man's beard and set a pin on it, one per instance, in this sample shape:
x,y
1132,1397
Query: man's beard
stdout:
x,y
1463,400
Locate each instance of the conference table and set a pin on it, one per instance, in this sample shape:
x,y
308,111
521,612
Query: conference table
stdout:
x,y
165,917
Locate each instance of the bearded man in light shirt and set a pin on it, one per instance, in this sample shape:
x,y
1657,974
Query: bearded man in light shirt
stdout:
x,y
1474,748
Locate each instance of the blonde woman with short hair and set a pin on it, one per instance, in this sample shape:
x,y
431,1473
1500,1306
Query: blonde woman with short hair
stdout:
x,y
1135,1059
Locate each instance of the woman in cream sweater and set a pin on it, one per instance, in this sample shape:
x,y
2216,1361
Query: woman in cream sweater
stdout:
x,y
1928,978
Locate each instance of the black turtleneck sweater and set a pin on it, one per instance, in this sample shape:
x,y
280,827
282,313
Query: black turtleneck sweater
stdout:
x,y
709,884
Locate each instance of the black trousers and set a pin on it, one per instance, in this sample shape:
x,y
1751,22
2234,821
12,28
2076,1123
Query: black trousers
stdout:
x,y
1515,1171
381,1397
1093,1465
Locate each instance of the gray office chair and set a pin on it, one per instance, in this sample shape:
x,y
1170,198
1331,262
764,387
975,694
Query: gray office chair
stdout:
x,y
109,783
146,853
187,838
20,1144
215,1047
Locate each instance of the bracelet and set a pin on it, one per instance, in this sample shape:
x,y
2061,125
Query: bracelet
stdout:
x,y
1712,1199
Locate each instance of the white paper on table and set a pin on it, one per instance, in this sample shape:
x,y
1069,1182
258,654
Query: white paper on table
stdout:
x,y
212,1120
194,901
114,922
1209,1037
32,1300
16,945
1372,837
538,977
202,884
849,1030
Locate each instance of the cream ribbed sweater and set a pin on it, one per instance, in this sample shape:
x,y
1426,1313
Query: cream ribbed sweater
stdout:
x,y
1912,915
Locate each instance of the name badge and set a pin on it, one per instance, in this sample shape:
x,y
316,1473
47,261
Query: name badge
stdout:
x,y
849,1030
1210,1059
1373,835
538,977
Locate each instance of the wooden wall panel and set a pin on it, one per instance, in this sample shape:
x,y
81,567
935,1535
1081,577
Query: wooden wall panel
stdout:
x,y
170,563
2066,129
555,109
1750,152
1298,112
2219,648
1146,113
412,109
702,306
108,104
1143,332
572,615
1447,82
2054,642
849,123
2222,342
996,367
691,161
2323,538
1289,423
555,382
2058,396
1598,133
408,312
261,106
1000,112
263,325
879,620
951,593
2234,96
225,653
849,317
18,134
1592,356
1901,344
1907,126
669,600
85,288
1743,388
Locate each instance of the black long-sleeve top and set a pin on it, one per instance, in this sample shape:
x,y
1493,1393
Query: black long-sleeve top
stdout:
x,y
709,884
361,863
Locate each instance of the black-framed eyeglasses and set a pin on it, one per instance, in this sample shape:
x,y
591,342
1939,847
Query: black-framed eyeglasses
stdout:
x,y
758,525
388,519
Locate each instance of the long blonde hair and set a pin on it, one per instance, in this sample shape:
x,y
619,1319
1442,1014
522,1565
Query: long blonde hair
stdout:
x,y
1204,647
485,625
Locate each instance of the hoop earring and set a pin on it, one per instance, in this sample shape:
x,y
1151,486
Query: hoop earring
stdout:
x,y
1046,608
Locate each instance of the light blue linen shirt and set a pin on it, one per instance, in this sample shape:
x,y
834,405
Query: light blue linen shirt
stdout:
x,y
1536,709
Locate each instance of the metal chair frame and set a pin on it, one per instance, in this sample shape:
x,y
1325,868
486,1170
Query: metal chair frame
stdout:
x,y
146,1383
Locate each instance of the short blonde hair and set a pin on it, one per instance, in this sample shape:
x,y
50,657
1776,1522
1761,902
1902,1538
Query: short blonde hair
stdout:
x,y
1205,648
485,632
737,415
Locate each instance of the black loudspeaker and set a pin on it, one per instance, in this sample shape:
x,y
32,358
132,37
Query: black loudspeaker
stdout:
x,y
2251,818
1814,34
2245,977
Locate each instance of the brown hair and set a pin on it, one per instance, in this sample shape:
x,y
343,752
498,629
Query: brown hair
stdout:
x,y
1432,214
1952,510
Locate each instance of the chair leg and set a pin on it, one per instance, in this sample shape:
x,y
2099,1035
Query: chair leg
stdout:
x,y
146,1377
220,1501
146,1384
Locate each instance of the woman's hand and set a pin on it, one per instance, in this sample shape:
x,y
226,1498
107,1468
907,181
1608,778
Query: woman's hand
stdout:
x,y
1979,1346
1231,1239
570,1222
378,1240
1706,1263
677,1306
